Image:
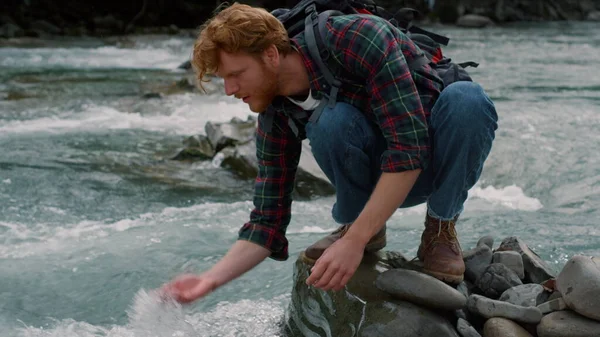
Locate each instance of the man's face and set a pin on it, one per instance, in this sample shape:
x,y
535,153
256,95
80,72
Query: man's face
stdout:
x,y
250,78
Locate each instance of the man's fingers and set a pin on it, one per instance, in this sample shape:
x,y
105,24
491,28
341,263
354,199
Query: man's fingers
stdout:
x,y
335,281
317,271
327,276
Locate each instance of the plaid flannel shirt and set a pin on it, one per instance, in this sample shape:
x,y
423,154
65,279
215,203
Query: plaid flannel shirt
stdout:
x,y
397,100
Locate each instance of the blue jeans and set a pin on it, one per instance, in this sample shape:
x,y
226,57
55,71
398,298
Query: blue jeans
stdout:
x,y
348,148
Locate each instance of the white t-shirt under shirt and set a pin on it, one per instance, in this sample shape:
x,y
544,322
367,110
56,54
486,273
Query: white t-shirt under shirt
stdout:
x,y
309,104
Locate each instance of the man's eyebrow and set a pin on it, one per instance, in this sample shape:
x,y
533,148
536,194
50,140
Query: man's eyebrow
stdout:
x,y
235,72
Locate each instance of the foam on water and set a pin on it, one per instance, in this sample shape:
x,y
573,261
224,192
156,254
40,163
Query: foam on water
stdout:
x,y
92,58
151,316
183,115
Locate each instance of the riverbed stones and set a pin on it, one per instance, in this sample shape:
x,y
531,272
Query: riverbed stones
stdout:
x,y
236,132
420,288
476,261
474,21
410,320
553,305
496,279
512,260
579,284
525,295
502,327
487,240
465,329
536,270
567,323
490,308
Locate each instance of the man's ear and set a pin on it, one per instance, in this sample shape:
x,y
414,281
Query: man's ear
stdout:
x,y
271,56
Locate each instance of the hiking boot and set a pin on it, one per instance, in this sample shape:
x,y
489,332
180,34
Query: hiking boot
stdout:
x,y
440,250
314,251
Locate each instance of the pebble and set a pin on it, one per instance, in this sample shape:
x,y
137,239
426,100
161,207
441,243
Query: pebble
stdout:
x,y
579,284
490,308
502,327
420,288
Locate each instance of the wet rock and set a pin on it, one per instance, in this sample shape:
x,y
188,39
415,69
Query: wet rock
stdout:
x,y
152,95
108,23
10,30
487,240
567,323
222,135
410,320
490,308
474,21
579,284
420,289
512,260
187,65
502,327
536,270
465,329
593,16
476,261
241,160
45,27
361,309
196,148
496,279
526,295
553,305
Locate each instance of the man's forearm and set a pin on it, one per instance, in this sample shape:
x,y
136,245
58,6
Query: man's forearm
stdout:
x,y
241,257
390,192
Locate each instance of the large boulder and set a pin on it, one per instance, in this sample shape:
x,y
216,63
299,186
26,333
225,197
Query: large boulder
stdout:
x,y
361,308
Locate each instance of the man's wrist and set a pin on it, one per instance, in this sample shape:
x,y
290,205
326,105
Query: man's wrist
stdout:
x,y
358,234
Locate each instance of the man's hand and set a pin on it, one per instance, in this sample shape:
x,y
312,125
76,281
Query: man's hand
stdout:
x,y
336,266
189,287
242,257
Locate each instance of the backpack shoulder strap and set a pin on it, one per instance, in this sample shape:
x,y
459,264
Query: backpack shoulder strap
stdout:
x,y
315,30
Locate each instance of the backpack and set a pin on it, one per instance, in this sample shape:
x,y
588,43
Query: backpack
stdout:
x,y
310,17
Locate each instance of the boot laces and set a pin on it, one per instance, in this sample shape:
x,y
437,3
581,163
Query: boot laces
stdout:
x,y
447,237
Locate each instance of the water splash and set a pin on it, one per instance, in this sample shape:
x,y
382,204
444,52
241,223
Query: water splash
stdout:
x,y
150,315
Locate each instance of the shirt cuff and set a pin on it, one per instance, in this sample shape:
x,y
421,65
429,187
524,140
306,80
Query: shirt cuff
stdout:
x,y
400,161
268,237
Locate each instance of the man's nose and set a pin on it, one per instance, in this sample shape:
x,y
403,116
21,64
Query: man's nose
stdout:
x,y
231,87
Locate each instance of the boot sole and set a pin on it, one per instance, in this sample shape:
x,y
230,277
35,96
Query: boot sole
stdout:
x,y
371,247
450,278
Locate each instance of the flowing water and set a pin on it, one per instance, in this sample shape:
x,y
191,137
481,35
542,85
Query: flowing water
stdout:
x,y
94,216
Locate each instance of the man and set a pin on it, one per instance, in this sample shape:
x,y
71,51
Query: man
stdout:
x,y
394,139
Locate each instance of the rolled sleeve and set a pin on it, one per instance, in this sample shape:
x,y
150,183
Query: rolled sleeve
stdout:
x,y
278,154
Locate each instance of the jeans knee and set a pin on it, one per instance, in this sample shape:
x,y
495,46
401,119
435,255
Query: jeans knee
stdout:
x,y
465,105
331,132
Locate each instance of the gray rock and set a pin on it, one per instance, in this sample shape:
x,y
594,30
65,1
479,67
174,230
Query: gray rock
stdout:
x,y
420,289
496,279
502,327
512,260
525,295
556,294
490,308
554,305
236,132
474,21
536,270
476,261
579,284
593,16
196,148
10,30
567,323
45,26
487,240
410,320
465,329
